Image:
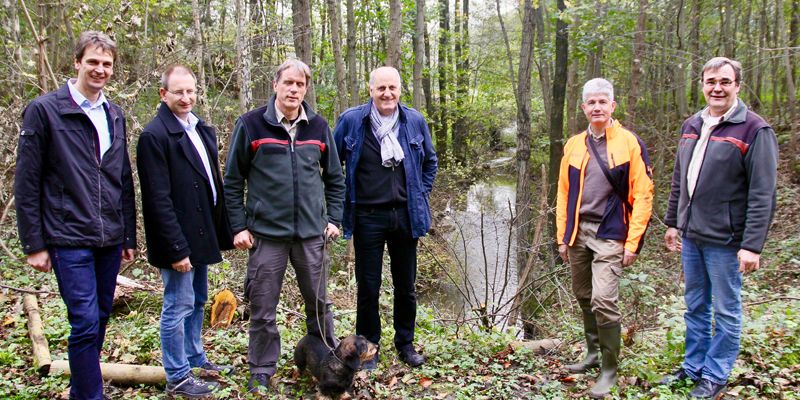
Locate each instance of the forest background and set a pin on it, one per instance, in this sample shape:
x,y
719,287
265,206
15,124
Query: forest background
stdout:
x,y
493,78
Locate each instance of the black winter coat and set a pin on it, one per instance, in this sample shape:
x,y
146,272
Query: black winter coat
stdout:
x,y
64,195
180,218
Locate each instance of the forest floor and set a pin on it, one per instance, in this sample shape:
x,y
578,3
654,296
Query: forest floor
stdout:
x,y
464,360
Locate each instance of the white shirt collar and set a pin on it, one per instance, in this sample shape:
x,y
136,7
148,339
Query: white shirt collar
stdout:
x,y
81,100
190,124
706,114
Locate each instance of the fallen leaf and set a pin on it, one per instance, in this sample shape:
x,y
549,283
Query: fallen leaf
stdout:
x,y
567,379
392,382
9,320
425,382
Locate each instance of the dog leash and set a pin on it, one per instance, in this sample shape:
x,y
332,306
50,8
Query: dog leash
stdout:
x,y
326,265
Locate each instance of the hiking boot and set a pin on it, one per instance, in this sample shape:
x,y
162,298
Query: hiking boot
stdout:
x,y
592,359
679,375
707,390
221,369
191,387
258,384
411,357
609,361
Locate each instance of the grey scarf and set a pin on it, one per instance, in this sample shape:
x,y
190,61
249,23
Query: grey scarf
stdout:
x,y
385,130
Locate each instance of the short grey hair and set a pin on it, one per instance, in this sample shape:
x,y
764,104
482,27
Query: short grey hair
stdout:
x,y
172,69
396,72
295,64
719,62
598,86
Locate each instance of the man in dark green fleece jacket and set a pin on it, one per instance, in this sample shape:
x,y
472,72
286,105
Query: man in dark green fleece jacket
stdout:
x,y
284,154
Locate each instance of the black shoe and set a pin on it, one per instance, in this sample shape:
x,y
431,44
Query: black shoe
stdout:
x,y
679,375
372,363
191,387
258,384
222,369
411,357
707,390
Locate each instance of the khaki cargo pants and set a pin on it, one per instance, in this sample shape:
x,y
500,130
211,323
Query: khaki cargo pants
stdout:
x,y
596,266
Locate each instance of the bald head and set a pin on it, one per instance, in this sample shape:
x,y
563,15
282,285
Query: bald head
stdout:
x,y
384,88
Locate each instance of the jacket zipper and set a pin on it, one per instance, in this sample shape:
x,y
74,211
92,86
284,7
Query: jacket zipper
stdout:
x,y
99,186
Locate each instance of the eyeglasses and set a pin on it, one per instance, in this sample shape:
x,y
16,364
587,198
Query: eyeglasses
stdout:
x,y
723,83
181,93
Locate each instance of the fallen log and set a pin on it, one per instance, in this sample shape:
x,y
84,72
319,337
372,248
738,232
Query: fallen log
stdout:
x,y
119,374
41,350
537,346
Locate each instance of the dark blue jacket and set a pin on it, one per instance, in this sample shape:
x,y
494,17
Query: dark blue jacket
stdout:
x,y
420,162
734,198
65,196
180,217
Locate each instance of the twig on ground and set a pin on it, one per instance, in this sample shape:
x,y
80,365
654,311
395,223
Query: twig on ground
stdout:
x,y
755,303
25,290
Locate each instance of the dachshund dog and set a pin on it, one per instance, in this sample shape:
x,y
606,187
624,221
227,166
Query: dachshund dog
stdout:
x,y
334,369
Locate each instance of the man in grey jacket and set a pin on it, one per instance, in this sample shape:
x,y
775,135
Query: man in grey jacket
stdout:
x,y
721,205
283,153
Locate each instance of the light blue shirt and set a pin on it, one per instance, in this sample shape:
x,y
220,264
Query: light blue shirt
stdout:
x,y
189,128
96,113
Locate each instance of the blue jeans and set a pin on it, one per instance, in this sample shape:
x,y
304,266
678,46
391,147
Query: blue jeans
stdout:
x,y
87,277
374,228
712,279
185,295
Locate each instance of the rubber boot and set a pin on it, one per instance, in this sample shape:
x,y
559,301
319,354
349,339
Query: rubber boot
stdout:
x,y
592,359
609,350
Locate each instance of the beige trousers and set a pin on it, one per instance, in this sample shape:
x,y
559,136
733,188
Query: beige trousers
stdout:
x,y
596,266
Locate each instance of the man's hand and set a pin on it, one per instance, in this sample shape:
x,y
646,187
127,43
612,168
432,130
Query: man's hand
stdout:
x,y
671,240
628,258
183,265
748,261
40,261
562,251
331,231
243,240
128,255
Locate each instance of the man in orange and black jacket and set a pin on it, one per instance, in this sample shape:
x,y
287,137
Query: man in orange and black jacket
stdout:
x,y
605,196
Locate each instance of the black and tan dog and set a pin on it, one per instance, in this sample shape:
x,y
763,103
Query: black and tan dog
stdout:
x,y
334,369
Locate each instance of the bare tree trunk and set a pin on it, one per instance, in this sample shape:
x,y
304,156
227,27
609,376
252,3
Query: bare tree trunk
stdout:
x,y
694,50
242,46
636,66
444,43
460,129
426,82
557,111
200,67
543,60
574,93
301,21
395,33
794,140
419,55
11,25
508,47
334,13
522,203
352,72
679,74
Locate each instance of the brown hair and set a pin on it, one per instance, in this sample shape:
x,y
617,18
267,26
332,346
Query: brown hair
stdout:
x,y
719,62
95,39
296,64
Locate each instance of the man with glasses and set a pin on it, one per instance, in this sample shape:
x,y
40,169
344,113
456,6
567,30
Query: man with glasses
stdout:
x,y
720,207
186,225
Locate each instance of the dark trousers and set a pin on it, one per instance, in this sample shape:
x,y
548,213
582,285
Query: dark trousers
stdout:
x,y
87,277
265,271
373,228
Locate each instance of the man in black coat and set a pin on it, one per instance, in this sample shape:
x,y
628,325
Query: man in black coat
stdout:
x,y
186,224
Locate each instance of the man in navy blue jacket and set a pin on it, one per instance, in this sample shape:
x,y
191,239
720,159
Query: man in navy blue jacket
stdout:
x,y
185,223
390,167
75,201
